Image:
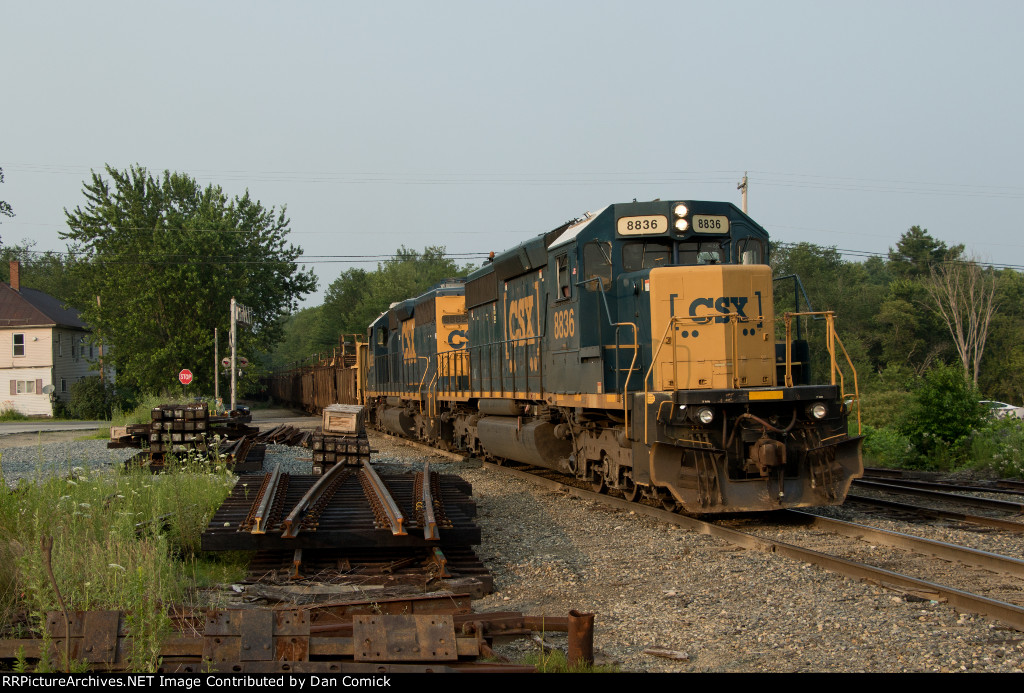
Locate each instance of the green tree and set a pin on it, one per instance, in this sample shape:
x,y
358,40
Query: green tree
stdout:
x,y
5,207
357,297
49,272
1002,368
165,256
916,252
299,338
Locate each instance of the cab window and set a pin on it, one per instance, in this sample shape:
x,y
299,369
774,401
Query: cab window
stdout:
x,y
597,266
564,283
706,253
750,251
640,255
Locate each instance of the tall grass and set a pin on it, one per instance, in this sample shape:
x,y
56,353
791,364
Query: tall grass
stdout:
x,y
122,539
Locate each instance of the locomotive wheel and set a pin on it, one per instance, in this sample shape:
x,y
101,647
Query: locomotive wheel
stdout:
x,y
668,501
630,491
598,484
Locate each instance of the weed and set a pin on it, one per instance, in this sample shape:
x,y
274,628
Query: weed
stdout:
x,y
20,661
122,540
9,413
554,662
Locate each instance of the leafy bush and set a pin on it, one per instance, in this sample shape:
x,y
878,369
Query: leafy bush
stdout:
x,y
9,413
885,396
888,447
91,398
943,415
999,447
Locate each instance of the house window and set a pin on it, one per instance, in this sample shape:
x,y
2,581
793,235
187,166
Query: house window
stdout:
x,y
64,385
19,344
26,387
60,345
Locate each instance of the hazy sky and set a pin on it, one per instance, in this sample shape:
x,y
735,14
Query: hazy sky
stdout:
x,y
476,125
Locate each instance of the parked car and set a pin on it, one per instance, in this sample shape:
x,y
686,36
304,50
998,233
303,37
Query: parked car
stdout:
x,y
1002,410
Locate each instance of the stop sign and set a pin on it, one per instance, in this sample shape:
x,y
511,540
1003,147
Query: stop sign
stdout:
x,y
185,376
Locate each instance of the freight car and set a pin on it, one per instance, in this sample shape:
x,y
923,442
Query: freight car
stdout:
x,y
634,347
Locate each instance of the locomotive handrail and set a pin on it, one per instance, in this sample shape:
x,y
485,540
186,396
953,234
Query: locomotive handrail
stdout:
x,y
616,325
635,346
831,339
798,284
419,388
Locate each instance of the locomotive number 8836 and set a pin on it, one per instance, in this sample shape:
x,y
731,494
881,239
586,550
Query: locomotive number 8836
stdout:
x,y
634,347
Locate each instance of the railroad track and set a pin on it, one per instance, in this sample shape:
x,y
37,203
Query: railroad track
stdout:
x,y
971,579
353,524
959,502
964,599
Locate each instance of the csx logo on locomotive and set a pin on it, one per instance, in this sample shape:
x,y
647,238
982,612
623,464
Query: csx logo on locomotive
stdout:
x,y
458,339
520,318
722,305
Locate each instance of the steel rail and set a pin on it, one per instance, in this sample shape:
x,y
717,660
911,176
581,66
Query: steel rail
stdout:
x,y
293,522
1009,506
430,532
940,485
1010,614
266,502
1008,525
387,503
996,563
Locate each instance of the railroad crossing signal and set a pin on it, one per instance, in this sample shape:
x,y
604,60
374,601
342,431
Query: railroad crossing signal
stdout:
x,y
185,376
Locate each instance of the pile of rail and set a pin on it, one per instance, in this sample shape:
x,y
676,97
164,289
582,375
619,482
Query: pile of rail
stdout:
x,y
352,522
184,430
433,634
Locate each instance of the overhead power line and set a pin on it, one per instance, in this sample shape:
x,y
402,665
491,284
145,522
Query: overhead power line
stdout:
x,y
768,178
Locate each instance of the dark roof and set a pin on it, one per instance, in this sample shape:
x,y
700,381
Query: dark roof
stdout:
x,y
29,307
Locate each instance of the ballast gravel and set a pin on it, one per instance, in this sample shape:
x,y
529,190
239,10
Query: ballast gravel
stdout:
x,y
655,586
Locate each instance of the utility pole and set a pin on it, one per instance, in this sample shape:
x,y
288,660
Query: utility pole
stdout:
x,y
216,373
742,187
234,349
100,308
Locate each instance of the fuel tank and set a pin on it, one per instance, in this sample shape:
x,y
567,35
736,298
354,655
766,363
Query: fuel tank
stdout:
x,y
532,442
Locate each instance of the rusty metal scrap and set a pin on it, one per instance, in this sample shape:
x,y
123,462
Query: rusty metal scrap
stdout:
x,y
336,637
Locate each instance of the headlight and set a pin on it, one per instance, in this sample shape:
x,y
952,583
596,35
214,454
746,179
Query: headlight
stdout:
x,y
681,210
819,411
705,415
682,224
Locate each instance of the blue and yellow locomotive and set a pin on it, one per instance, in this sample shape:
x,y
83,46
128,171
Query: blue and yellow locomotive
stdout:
x,y
635,347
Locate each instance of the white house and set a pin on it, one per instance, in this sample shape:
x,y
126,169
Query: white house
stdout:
x,y
43,348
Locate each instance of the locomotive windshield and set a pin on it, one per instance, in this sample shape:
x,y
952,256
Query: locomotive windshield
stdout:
x,y
638,255
705,253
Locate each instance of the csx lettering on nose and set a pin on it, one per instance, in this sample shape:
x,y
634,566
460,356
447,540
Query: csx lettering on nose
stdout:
x,y
721,304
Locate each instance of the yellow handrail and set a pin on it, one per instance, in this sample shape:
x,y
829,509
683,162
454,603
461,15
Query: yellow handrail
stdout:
x,y
831,339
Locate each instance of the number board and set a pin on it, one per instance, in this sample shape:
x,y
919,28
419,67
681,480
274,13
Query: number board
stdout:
x,y
638,226
709,223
